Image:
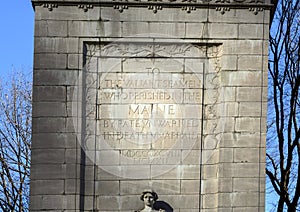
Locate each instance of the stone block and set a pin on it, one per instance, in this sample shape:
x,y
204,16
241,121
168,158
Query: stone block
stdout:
x,y
181,201
40,187
226,155
165,172
57,28
225,200
189,171
210,201
49,109
250,31
50,61
50,202
246,124
228,94
71,202
218,126
47,171
225,124
191,156
209,186
49,93
55,77
253,109
108,203
241,78
195,30
48,156
145,29
48,125
108,157
246,170
229,62
226,170
225,185
135,187
71,186
245,184
190,187
227,140
248,155
105,175
168,29
40,29
55,45
53,140
228,109
210,171
165,187
244,199
210,156
72,155
222,31
247,139
244,47
248,94
94,29
251,63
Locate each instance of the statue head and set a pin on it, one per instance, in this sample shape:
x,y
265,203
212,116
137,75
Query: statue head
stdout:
x,y
149,197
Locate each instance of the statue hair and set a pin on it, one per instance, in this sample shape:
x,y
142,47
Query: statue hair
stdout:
x,y
153,193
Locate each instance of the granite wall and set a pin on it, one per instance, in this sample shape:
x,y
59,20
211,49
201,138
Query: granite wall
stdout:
x,y
162,95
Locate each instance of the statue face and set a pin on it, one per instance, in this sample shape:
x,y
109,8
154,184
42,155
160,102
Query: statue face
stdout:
x,y
148,199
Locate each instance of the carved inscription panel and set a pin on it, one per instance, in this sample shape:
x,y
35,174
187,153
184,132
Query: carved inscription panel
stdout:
x,y
144,107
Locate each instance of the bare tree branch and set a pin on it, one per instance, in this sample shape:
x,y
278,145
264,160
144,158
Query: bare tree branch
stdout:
x,y
15,137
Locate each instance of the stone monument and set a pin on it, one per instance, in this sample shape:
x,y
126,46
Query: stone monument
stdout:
x,y
167,95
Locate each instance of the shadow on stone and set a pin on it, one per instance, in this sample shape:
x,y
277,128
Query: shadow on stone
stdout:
x,y
163,205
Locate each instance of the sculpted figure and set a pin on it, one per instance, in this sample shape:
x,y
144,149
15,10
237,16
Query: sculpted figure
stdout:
x,y
149,197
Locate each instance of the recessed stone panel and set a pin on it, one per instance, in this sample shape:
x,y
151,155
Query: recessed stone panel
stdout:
x,y
144,113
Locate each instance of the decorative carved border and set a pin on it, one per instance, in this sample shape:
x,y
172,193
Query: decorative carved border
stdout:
x,y
188,6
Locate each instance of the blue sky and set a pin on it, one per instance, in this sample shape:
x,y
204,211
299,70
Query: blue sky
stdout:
x,y
17,26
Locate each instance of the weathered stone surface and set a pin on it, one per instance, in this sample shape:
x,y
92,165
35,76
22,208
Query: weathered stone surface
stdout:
x,y
50,61
171,98
50,109
55,77
47,186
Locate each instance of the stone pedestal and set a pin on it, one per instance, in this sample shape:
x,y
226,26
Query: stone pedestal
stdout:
x,y
162,95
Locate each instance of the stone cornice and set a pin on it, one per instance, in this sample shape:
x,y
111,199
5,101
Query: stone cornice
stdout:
x,y
254,6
